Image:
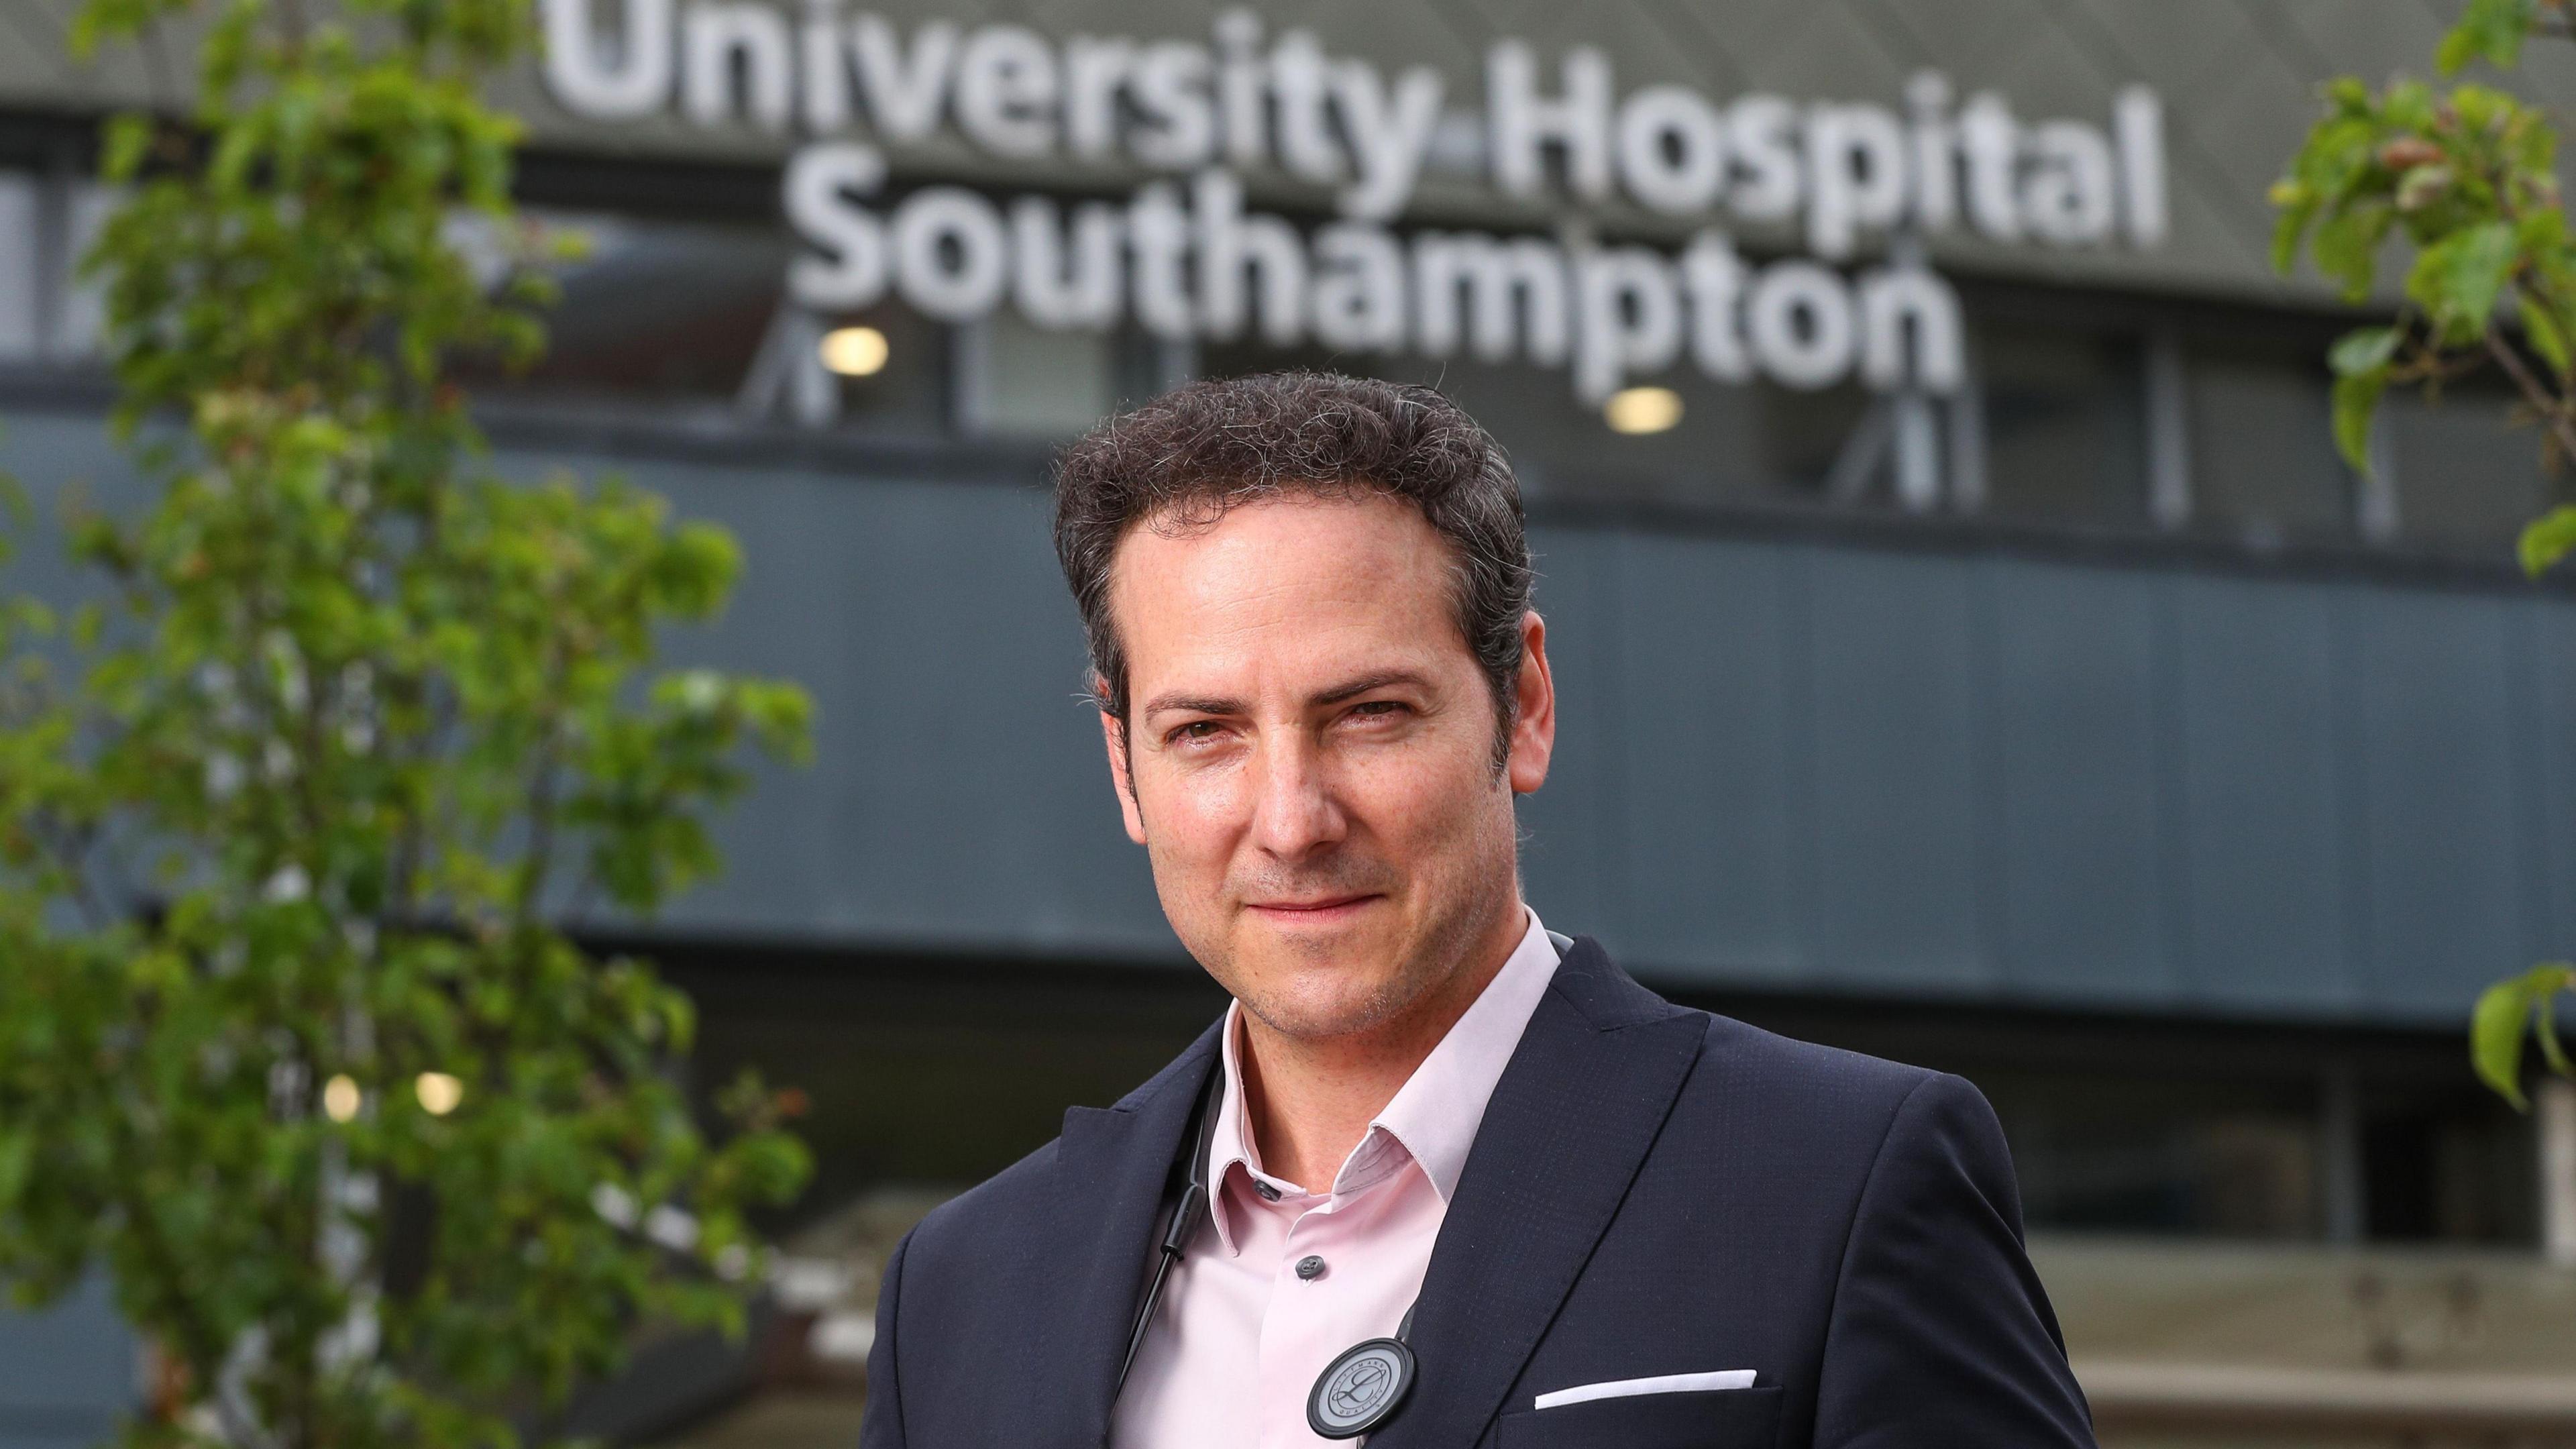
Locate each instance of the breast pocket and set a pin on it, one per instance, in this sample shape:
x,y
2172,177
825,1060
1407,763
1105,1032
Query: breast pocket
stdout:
x,y
1706,1419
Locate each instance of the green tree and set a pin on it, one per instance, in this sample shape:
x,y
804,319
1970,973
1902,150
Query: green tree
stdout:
x,y
290,1040
2463,183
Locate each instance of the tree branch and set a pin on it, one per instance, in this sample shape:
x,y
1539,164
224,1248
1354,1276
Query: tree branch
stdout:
x,y
2552,408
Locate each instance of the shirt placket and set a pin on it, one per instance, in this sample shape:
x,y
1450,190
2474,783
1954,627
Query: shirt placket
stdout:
x,y
1305,1325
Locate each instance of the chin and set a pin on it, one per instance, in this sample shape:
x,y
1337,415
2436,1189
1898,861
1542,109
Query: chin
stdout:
x,y
1297,995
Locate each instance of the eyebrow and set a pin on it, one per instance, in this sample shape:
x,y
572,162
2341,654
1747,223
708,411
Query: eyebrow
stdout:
x,y
1219,705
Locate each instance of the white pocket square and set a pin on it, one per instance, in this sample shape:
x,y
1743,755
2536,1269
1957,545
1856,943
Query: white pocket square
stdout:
x,y
1661,1384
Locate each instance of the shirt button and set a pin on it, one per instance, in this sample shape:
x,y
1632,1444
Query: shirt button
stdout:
x,y
1268,1193
1310,1267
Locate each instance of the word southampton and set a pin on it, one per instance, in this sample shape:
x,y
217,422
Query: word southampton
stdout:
x,y
1184,259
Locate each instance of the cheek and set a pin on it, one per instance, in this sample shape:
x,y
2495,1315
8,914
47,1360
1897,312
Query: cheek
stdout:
x,y
1192,815
1422,796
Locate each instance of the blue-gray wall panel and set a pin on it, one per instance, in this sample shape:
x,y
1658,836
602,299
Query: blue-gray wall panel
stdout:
x,y
1572,844
1900,844
1706,745
2263,880
960,796
1787,762
2444,891
67,1373
2548,662
2076,773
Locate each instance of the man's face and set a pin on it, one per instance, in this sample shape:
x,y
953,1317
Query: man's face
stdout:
x,y
1310,757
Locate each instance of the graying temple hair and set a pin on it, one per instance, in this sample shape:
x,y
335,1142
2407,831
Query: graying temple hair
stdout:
x,y
1183,460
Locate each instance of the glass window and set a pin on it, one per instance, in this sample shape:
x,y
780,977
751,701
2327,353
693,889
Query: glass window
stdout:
x,y
2065,424
1729,444
2467,475
685,318
2119,1156
1035,382
2263,461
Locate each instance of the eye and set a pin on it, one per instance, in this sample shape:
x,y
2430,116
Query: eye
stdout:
x,y
1379,709
1197,731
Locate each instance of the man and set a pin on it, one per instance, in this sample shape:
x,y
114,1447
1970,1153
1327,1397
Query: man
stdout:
x,y
1466,1182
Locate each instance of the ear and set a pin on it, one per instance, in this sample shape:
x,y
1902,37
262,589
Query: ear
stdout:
x,y
1113,737
1534,726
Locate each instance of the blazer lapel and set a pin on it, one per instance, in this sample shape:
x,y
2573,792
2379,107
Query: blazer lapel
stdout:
x,y
1114,1165
1569,1124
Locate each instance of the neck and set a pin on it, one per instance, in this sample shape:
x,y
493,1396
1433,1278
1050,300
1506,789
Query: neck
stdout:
x,y
1309,1100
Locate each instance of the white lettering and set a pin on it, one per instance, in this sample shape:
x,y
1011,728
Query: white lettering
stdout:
x,y
904,97
1672,150
1178,130
1007,91
1388,140
1094,72
636,83
1991,143
1089,296
1714,277
1909,302
1306,146
1359,288
1801,323
1240,92
1520,123
1630,319
1495,274
1761,135
2138,123
824,89
1855,175
1936,152
951,256
819,182
1229,245
754,35
1158,237
2067,197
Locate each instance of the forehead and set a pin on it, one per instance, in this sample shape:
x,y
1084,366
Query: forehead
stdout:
x,y
1298,579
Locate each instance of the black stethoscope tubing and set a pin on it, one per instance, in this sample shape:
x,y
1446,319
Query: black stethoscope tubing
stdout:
x,y
1364,1384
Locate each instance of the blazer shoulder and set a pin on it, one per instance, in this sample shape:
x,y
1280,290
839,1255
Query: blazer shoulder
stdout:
x,y
1028,1191
1009,1202
1801,1081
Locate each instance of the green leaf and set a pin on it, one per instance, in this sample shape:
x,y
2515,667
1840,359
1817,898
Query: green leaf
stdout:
x,y
2356,401
2504,1016
2490,30
2547,539
2364,349
2458,279
2543,331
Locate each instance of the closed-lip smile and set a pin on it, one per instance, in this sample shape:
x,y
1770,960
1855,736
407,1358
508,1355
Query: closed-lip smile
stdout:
x,y
1317,909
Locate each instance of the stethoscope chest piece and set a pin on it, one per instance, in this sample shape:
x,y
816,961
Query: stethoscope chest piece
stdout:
x,y
1359,1390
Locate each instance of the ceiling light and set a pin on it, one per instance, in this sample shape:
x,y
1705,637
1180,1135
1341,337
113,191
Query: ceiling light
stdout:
x,y
439,1093
341,1098
854,351
1642,410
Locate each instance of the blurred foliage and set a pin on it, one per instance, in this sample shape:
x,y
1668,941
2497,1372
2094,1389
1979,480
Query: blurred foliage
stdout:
x,y
2466,180
289,1040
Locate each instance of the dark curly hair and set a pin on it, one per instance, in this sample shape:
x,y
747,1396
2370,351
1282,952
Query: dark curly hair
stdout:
x,y
1184,459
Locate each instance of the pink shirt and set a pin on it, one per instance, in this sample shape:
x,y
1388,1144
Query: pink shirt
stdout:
x,y
1241,1333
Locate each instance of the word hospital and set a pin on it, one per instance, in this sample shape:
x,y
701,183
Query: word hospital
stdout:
x,y
1183,257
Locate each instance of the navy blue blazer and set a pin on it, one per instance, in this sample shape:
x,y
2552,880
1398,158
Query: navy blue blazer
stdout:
x,y
1653,1191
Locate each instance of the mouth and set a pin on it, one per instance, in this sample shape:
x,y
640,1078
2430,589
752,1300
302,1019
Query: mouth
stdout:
x,y
1321,911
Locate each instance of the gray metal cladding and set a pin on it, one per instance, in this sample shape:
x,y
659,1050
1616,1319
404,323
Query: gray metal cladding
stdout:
x,y
1809,762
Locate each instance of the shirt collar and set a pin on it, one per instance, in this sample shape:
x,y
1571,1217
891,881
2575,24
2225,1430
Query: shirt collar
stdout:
x,y
1431,1121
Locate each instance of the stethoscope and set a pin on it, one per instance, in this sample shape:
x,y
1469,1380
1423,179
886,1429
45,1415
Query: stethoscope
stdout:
x,y
1360,1389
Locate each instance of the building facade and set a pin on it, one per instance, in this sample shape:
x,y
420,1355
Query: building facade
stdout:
x,y
1972,648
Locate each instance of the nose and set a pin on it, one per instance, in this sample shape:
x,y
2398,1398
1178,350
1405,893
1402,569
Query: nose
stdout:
x,y
1294,812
